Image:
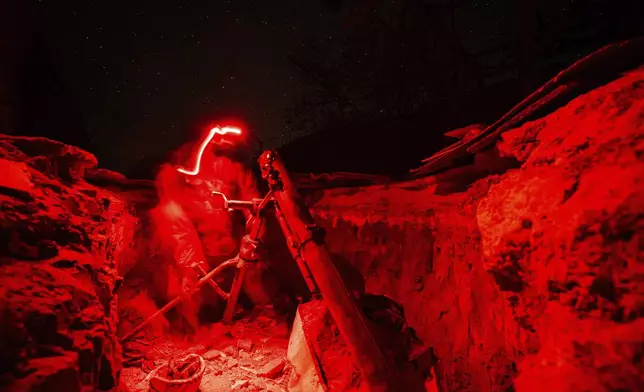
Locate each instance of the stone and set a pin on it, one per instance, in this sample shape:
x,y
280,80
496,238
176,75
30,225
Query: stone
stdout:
x,y
230,351
198,349
245,345
274,388
245,359
232,362
15,180
212,355
239,384
272,368
213,382
51,157
258,384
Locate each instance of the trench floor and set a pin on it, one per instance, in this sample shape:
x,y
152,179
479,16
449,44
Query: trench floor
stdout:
x,y
249,355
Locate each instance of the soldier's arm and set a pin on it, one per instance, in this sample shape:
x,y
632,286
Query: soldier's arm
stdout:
x,y
183,241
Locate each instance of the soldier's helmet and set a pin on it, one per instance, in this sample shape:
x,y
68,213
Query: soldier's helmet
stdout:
x,y
235,145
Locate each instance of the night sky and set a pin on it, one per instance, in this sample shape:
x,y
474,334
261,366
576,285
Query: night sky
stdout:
x,y
143,75
148,72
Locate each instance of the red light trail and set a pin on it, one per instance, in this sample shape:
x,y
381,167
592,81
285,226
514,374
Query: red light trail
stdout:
x,y
214,131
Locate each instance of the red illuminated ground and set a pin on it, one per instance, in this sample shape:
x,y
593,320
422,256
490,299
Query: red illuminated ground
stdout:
x,y
249,355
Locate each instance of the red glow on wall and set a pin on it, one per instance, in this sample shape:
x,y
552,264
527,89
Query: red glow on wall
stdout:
x,y
202,147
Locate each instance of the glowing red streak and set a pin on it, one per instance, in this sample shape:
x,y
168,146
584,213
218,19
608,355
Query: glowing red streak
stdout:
x,y
202,147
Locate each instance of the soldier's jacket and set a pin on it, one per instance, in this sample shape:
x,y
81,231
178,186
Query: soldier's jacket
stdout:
x,y
196,224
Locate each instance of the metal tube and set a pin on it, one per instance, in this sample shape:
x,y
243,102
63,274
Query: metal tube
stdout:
x,y
202,272
240,204
341,304
304,268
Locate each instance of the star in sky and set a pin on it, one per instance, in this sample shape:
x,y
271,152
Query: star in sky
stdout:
x,y
146,75
149,74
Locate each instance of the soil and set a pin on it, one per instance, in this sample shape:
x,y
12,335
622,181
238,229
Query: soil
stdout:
x,y
249,355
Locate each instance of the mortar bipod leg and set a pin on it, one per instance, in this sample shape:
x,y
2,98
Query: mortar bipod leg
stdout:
x,y
233,296
201,272
185,295
247,257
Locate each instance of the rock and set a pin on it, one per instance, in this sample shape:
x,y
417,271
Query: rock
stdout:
x,y
51,157
230,351
98,174
272,368
257,384
239,384
213,382
140,194
245,345
212,355
15,180
245,359
274,388
232,362
198,349
208,381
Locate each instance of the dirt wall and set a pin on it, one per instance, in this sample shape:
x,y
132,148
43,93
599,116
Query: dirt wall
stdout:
x,y
61,242
531,279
